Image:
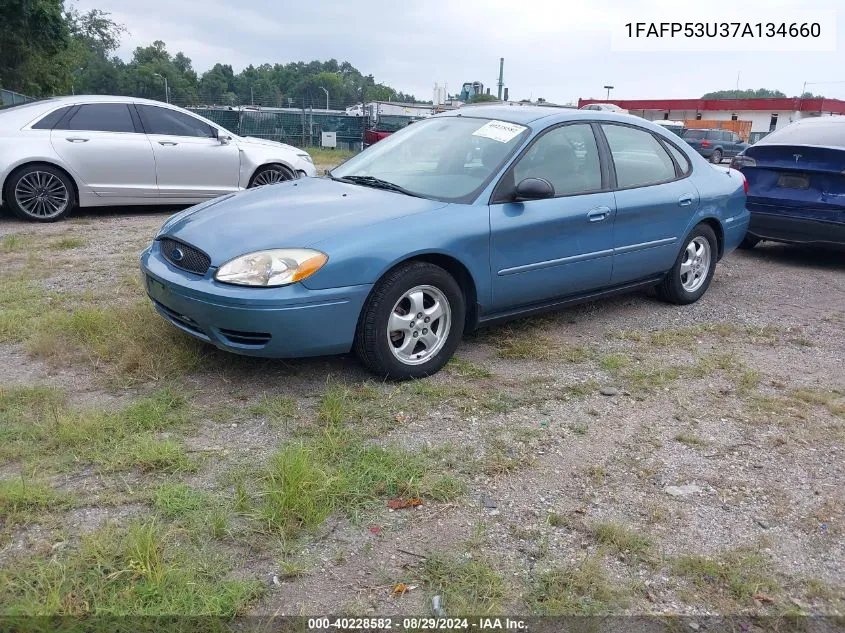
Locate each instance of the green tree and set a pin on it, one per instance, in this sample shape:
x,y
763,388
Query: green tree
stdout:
x,y
482,98
760,93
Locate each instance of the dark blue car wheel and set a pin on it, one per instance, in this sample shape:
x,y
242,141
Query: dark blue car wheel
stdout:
x,y
412,322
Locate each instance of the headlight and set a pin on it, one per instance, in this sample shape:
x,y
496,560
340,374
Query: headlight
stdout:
x,y
306,157
277,267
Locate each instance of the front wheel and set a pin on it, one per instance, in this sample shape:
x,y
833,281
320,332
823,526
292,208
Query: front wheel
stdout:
x,y
716,157
271,175
412,322
690,276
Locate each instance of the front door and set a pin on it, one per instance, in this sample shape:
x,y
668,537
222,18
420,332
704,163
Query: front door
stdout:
x,y
544,249
190,162
105,148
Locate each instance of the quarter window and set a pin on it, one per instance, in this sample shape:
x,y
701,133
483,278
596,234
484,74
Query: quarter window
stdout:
x,y
102,117
49,122
680,158
567,157
172,123
639,158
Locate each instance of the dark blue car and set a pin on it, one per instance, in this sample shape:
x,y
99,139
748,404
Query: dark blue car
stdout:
x,y
796,183
714,145
470,217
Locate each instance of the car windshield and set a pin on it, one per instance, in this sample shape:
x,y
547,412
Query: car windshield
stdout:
x,y
695,134
443,158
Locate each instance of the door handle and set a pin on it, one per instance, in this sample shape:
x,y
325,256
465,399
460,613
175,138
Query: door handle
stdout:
x,y
685,200
169,143
598,214
76,139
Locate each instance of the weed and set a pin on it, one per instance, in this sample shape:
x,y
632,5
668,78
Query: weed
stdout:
x,y
614,362
279,410
469,587
67,243
582,589
467,369
21,500
690,440
737,574
622,539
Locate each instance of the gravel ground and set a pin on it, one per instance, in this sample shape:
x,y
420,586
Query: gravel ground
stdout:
x,y
693,461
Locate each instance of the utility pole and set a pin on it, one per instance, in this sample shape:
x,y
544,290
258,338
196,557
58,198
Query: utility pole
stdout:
x,y
608,88
166,91
327,97
501,76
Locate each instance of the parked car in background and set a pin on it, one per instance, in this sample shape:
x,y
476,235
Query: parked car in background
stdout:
x,y
676,127
460,220
715,145
98,151
796,183
604,107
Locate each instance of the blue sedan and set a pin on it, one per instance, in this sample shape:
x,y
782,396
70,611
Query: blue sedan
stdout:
x,y
471,217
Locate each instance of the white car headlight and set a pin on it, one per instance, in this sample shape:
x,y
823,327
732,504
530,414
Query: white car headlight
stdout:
x,y
306,157
276,267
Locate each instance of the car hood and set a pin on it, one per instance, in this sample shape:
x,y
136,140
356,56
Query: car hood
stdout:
x,y
292,214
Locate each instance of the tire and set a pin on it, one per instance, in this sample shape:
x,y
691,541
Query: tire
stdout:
x,y
749,242
39,193
680,287
270,175
716,156
417,285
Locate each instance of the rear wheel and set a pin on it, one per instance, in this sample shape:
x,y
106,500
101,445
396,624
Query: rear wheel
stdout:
x,y
690,276
271,175
39,193
412,322
716,156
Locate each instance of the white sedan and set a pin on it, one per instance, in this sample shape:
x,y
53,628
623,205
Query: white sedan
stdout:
x,y
102,151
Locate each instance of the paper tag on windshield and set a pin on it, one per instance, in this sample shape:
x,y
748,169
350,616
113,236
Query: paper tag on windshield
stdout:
x,y
499,131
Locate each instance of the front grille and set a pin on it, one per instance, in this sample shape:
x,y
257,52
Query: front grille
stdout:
x,y
246,338
191,259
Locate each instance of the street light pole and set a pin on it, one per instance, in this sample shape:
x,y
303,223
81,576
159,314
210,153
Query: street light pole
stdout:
x,y
608,88
166,91
327,97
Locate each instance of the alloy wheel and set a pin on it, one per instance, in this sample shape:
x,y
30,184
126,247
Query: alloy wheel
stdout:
x,y
419,325
41,194
695,265
270,176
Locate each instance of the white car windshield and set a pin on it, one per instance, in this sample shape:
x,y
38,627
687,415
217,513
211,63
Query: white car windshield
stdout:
x,y
444,158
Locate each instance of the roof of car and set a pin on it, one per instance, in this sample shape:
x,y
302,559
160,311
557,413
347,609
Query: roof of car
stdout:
x,y
102,99
525,114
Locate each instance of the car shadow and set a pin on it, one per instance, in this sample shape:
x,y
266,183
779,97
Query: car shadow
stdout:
x,y
798,255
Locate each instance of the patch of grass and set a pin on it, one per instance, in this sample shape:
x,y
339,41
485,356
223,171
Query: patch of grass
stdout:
x,y
559,520
14,243
279,410
467,369
581,389
337,470
688,336
327,158
690,440
622,539
22,500
130,343
197,510
520,345
143,569
650,379
748,381
736,575
67,243
831,400
614,362
39,427
468,587
597,474
582,589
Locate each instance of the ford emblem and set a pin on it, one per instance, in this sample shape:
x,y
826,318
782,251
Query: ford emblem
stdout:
x,y
177,255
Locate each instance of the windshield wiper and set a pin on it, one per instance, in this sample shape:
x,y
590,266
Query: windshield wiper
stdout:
x,y
375,183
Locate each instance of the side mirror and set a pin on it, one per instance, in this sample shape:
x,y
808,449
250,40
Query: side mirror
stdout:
x,y
534,189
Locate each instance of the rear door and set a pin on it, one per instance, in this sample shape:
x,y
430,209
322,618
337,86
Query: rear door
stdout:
x,y
655,201
191,163
103,145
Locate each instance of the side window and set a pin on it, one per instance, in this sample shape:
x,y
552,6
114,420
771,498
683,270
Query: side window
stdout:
x,y
101,117
567,157
639,158
680,158
172,123
49,122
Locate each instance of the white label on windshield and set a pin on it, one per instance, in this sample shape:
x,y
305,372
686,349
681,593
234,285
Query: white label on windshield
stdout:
x,y
499,131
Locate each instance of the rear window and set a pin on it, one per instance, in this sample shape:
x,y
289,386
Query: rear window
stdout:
x,y
695,134
824,132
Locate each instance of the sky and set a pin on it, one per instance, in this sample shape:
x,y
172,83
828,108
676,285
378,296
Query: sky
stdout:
x,y
557,50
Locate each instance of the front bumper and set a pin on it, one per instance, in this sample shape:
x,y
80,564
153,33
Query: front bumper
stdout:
x,y
793,229
288,322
